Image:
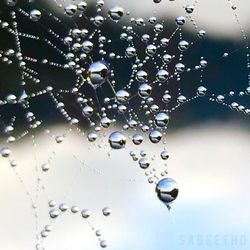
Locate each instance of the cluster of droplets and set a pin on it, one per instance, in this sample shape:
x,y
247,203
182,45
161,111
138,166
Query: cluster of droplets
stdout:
x,y
153,61
55,212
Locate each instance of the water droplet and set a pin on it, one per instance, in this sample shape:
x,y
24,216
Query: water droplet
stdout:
x,y
117,140
167,190
151,49
81,5
59,139
144,163
98,73
86,213
45,167
137,139
103,244
106,211
164,155
35,15
201,91
144,90
87,111
75,209
122,96
105,122
11,2
180,20
70,9
54,213
162,75
155,136
63,207
189,9
141,76
5,152
92,136
87,47
183,45
116,13
181,99
161,119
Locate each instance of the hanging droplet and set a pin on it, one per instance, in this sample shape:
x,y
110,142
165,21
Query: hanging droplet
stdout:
x,y
167,190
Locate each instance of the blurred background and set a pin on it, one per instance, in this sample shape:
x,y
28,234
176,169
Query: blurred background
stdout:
x,y
208,144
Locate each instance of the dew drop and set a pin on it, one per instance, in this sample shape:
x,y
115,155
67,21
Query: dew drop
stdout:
x,y
98,73
54,213
164,155
167,190
144,163
5,152
35,15
116,13
86,213
106,211
155,136
161,119
117,140
103,244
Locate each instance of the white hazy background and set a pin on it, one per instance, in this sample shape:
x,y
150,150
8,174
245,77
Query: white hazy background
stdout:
x,y
210,163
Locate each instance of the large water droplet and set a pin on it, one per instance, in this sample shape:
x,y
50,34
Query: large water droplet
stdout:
x,y
167,190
